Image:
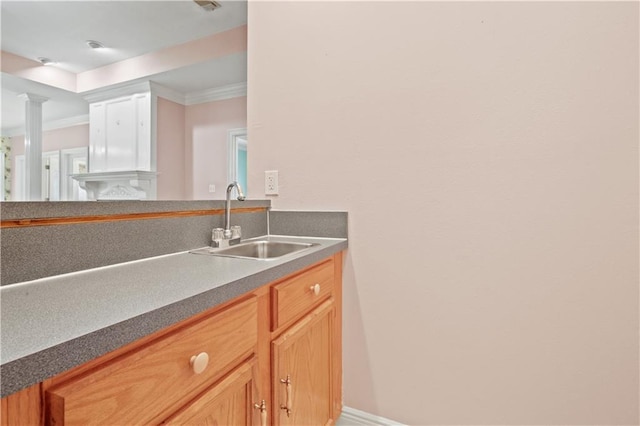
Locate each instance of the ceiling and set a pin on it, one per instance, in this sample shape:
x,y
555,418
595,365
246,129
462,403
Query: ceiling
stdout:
x,y
59,29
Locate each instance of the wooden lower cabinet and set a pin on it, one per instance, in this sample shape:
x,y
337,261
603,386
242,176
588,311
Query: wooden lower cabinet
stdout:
x,y
23,408
302,366
273,358
145,385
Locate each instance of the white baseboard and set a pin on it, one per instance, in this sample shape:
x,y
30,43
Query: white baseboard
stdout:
x,y
352,417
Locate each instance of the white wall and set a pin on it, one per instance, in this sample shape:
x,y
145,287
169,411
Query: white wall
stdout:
x,y
487,153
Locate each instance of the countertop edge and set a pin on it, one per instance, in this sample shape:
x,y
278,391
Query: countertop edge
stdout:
x,y
31,369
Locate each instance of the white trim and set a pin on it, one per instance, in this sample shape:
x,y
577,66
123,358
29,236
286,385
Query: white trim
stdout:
x,y
120,90
119,185
201,96
232,153
51,125
66,170
33,98
170,94
352,417
216,94
66,122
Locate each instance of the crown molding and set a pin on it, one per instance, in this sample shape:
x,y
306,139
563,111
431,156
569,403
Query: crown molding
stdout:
x,y
192,98
50,125
219,93
119,90
169,94
66,122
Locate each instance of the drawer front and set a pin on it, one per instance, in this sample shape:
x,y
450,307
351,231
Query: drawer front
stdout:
x,y
294,297
143,386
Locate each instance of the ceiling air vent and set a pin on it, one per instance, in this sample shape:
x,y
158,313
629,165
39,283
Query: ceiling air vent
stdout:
x,y
208,4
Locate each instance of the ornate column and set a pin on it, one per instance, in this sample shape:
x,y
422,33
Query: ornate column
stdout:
x,y
33,145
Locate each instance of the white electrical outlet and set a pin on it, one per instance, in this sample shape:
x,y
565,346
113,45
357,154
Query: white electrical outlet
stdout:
x,y
271,182
212,188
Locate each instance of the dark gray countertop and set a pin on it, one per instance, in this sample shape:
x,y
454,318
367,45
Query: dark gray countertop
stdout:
x,y
53,324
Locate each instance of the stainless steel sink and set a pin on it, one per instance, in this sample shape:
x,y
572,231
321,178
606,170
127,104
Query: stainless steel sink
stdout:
x,y
261,249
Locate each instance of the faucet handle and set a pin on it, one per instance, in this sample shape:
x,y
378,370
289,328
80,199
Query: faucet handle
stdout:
x,y
217,234
236,231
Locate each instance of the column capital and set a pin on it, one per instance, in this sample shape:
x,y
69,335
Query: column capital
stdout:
x,y
33,98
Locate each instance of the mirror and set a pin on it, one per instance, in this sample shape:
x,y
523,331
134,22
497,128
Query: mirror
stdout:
x,y
195,58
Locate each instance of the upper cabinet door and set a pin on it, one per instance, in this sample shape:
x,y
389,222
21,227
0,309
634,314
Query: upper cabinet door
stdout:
x,y
97,138
120,134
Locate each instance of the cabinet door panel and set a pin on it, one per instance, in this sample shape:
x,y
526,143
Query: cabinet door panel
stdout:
x,y
121,134
303,354
229,402
143,133
98,138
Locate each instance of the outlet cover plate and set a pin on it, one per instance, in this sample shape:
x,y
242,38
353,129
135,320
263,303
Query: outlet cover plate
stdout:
x,y
271,182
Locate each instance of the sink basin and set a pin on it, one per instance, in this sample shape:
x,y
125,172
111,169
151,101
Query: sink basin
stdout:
x,y
262,249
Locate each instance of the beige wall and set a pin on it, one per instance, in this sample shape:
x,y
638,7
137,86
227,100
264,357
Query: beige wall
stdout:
x,y
206,137
170,146
57,139
487,153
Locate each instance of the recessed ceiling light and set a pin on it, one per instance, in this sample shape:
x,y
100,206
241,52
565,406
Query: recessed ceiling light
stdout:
x,y
95,44
46,61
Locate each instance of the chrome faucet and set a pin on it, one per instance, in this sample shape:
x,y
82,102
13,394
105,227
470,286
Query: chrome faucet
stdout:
x,y
227,212
228,237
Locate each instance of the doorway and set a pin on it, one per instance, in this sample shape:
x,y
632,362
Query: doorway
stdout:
x,y
237,158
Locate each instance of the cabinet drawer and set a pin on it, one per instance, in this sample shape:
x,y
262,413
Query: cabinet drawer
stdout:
x,y
294,297
147,384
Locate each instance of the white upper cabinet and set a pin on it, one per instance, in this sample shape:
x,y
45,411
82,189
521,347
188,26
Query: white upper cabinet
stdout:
x,y
120,135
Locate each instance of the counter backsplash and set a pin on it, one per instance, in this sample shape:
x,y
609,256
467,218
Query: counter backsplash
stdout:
x,y
41,239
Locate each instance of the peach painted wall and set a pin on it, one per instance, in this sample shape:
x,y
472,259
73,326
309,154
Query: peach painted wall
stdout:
x,y
206,133
54,140
170,150
487,154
